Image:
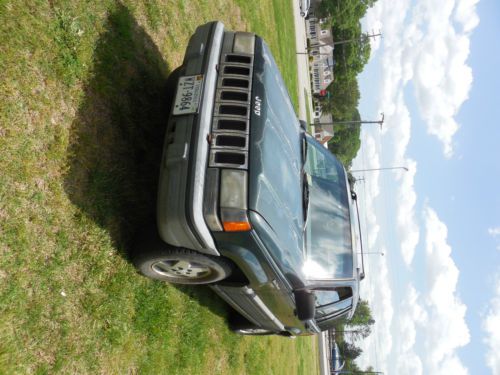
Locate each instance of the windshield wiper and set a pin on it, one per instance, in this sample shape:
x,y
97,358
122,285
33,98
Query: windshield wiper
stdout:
x,y
305,197
304,151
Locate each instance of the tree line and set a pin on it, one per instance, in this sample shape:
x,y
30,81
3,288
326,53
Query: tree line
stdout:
x,y
343,93
349,333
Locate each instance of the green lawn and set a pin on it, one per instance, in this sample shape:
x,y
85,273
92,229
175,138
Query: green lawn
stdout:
x,y
81,122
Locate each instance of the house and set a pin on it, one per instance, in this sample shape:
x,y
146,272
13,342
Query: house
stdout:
x,y
323,129
320,39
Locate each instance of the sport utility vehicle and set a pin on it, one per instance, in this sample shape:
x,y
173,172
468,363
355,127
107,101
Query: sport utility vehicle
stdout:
x,y
248,202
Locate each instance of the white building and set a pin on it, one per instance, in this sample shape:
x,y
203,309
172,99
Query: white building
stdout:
x,y
320,39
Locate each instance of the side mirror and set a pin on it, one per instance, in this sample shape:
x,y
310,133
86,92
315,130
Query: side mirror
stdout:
x,y
305,302
303,125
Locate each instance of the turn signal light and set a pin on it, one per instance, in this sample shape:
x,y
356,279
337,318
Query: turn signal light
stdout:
x,y
236,226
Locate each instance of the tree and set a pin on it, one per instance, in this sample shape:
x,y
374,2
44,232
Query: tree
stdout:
x,y
351,351
346,142
362,315
344,13
350,58
343,98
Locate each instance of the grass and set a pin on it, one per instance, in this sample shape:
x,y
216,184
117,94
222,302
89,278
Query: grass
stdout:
x,y
80,119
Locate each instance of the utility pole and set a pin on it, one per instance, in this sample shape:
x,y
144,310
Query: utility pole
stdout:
x,y
357,372
317,54
377,169
358,122
363,37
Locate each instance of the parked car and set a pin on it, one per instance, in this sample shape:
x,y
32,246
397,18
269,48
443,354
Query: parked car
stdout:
x,y
248,202
337,363
304,6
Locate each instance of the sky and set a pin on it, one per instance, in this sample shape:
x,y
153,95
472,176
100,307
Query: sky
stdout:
x,y
435,294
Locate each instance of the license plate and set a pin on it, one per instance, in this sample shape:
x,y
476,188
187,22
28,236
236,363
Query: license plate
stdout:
x,y
188,95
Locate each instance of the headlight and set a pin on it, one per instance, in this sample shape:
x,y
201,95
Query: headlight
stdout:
x,y
244,43
233,200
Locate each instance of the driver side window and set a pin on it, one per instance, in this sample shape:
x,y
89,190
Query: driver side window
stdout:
x,y
319,163
330,302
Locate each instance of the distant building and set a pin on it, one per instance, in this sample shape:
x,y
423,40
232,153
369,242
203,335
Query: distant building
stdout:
x,y
320,39
323,128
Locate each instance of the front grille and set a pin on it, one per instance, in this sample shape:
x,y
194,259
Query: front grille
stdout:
x,y
237,70
242,59
230,126
235,82
232,110
237,96
230,140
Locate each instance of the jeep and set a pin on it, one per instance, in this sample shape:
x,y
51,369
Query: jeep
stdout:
x,y
248,202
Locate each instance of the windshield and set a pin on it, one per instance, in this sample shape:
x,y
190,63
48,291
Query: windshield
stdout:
x,y
327,232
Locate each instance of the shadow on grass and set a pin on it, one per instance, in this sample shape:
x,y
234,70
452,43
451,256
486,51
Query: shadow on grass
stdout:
x,y
117,137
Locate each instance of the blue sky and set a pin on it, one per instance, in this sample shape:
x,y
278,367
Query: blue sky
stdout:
x,y
436,292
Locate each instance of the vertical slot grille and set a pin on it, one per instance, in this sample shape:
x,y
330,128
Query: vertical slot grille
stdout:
x,y
235,110
235,82
224,124
237,70
234,95
229,158
230,138
239,59
230,141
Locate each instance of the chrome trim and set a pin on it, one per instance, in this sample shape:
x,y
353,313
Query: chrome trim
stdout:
x,y
205,122
244,299
211,199
237,60
220,133
224,150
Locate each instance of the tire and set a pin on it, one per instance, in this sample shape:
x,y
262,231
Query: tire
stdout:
x,y
161,261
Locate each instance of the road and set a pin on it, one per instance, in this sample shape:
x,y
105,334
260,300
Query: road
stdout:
x,y
302,63
305,86
324,366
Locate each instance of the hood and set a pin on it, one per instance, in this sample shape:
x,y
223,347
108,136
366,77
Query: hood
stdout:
x,y
275,164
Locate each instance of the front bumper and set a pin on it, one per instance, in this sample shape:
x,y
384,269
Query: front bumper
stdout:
x,y
197,146
185,155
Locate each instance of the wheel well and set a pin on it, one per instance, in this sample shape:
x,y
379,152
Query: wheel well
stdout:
x,y
237,276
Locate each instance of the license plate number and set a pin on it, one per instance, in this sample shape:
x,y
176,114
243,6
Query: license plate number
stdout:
x,y
187,99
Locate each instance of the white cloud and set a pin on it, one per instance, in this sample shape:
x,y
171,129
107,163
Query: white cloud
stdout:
x,y
429,45
465,14
425,47
447,330
494,231
491,326
407,226
410,314
377,290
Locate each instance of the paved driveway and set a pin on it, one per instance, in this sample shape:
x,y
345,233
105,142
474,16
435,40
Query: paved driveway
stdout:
x,y
302,62
305,84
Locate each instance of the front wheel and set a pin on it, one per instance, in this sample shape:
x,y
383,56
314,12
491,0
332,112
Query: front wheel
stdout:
x,y
180,266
